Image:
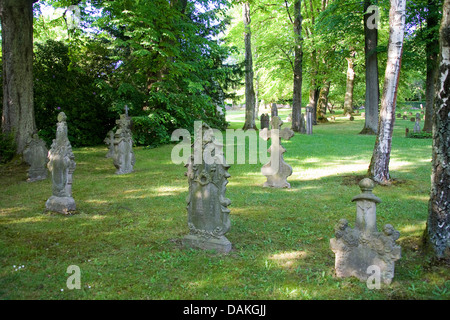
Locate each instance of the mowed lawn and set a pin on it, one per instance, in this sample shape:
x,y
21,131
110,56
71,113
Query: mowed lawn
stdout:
x,y
126,234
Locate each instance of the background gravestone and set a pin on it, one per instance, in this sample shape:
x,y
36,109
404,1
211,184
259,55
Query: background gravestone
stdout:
x,y
274,110
276,174
208,215
309,120
124,159
265,121
109,140
61,164
35,154
417,124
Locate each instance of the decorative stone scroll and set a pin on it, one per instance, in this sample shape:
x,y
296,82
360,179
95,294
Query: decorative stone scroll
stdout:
x,y
364,246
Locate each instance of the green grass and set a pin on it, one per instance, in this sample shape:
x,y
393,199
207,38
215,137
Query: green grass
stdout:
x,y
126,235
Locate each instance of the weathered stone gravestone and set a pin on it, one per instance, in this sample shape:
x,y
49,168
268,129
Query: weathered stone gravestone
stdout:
x,y
61,165
274,110
309,120
35,154
124,159
208,215
276,170
109,140
265,121
302,123
364,247
417,124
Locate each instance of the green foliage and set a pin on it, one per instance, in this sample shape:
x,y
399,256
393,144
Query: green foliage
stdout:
x,y
7,147
420,135
59,88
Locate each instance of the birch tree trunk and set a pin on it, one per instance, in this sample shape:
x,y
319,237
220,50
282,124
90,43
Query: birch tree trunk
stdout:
x,y
437,233
17,55
348,102
372,80
379,164
298,62
249,89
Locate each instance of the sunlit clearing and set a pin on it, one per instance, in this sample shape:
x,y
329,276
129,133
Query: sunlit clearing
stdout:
x,y
287,259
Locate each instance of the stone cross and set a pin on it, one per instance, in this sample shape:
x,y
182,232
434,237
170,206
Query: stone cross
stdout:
x,y
364,247
35,154
208,215
61,165
276,170
124,159
417,124
309,120
109,140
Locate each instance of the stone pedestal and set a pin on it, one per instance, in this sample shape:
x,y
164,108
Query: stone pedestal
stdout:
x,y
364,246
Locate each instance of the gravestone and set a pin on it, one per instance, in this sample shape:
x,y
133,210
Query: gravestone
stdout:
x,y
265,121
35,154
364,246
124,158
274,110
276,170
309,120
208,215
61,165
302,123
417,124
109,140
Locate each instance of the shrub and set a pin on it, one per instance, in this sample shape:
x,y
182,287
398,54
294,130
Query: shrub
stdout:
x,y
7,147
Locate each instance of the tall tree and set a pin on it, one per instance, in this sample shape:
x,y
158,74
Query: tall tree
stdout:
x,y
249,89
348,101
432,52
17,51
437,233
298,64
371,59
379,164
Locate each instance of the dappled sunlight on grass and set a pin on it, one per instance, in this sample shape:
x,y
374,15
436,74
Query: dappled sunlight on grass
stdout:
x,y
287,259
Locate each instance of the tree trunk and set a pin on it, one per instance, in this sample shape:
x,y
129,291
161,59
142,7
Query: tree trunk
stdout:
x,y
322,103
437,233
249,89
372,81
348,103
379,165
432,52
17,50
298,62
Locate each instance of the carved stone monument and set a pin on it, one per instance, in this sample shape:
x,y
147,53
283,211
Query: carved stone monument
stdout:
x,y
276,170
417,124
124,158
35,154
61,165
274,110
208,215
364,246
265,121
109,140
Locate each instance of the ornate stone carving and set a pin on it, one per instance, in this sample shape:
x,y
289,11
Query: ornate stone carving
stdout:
x,y
61,165
357,249
276,170
124,159
208,215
